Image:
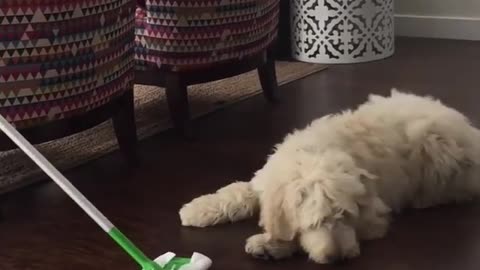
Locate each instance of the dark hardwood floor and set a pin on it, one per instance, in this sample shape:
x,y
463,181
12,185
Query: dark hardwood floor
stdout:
x,y
43,230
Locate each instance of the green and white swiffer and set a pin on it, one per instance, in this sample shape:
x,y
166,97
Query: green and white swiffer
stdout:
x,y
167,261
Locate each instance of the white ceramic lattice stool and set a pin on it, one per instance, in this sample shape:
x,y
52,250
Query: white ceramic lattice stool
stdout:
x,y
342,31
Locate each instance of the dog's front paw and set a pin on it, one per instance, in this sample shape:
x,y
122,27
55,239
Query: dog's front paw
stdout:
x,y
201,212
256,246
323,255
352,252
320,246
261,246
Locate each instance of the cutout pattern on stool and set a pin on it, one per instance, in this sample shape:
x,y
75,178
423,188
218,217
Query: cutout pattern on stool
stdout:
x,y
342,31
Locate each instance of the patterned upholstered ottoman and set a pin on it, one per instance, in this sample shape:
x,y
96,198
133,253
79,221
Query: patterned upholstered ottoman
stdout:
x,y
182,42
66,66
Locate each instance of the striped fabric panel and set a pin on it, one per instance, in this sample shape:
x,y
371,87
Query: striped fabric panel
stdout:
x,y
61,58
184,34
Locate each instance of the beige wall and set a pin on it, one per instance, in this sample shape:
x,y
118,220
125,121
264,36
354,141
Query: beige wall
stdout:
x,y
450,8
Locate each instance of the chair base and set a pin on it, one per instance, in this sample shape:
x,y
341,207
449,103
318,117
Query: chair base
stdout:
x,y
125,127
176,84
268,78
121,111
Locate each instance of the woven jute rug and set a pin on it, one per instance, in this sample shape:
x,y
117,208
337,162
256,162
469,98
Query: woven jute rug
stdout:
x,y
152,116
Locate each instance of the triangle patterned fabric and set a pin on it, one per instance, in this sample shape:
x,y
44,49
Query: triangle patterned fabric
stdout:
x,y
187,34
63,58
60,59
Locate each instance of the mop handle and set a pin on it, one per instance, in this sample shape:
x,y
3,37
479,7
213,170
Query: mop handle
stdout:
x,y
56,176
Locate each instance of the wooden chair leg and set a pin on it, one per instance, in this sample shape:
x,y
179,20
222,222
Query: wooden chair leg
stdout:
x,y
125,127
268,78
177,99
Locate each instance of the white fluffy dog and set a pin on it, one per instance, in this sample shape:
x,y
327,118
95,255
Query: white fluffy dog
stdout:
x,y
337,181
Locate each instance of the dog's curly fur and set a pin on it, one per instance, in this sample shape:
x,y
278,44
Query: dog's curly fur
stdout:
x,y
337,182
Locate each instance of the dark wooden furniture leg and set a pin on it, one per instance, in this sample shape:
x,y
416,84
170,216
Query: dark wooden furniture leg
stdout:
x,y
176,84
268,77
177,99
125,127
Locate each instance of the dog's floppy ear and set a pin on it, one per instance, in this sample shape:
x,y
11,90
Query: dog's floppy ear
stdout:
x,y
276,216
441,156
442,159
